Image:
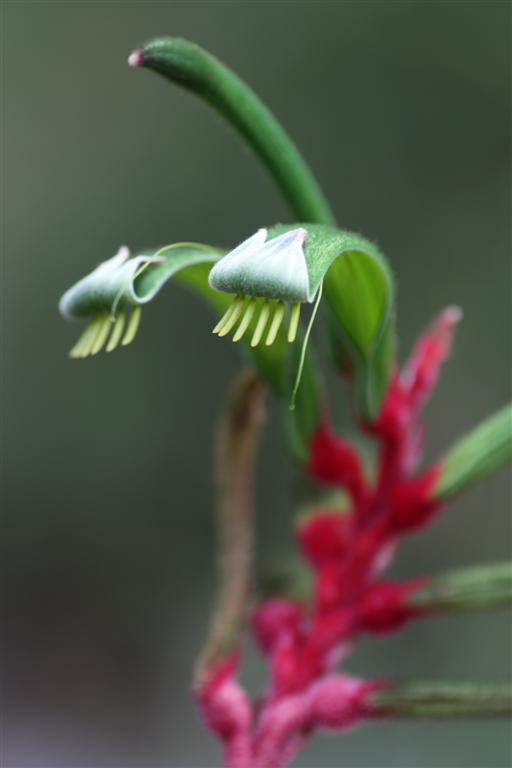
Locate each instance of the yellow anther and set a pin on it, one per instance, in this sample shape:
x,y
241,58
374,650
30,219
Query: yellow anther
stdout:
x,y
117,332
231,320
275,324
132,327
245,321
76,351
261,324
225,317
88,338
294,322
101,336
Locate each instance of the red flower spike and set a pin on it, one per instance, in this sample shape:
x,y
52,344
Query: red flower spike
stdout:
x,y
304,644
412,505
274,620
333,461
327,587
398,424
393,418
288,674
384,605
327,633
422,370
325,535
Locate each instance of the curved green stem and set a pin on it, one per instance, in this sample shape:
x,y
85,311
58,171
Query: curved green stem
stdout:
x,y
193,68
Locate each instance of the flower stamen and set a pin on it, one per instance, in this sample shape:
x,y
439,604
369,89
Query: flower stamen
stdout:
x,y
275,324
231,317
84,344
117,332
245,321
132,327
261,324
102,335
97,332
294,322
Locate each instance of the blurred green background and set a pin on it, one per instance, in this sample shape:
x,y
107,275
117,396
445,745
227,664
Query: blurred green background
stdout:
x,y
403,110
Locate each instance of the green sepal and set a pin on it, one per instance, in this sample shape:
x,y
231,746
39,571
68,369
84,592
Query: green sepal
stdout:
x,y
480,453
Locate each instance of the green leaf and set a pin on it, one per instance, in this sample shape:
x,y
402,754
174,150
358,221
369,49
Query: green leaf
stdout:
x,y
358,290
480,453
443,700
483,587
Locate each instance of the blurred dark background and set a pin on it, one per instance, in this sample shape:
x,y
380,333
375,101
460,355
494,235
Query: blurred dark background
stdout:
x,y
403,109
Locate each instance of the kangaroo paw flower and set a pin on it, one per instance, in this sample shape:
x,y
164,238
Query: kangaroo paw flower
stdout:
x,y
106,296
265,275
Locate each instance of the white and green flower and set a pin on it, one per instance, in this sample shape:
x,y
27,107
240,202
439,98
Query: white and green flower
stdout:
x,y
271,269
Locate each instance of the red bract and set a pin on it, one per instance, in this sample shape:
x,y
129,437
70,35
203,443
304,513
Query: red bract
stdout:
x,y
384,606
325,536
304,642
333,461
411,503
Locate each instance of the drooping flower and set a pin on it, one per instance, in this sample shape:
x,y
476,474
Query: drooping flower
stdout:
x,y
265,273
298,264
111,296
111,281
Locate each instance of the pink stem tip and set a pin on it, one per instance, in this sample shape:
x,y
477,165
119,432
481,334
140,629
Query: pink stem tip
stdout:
x,y
136,58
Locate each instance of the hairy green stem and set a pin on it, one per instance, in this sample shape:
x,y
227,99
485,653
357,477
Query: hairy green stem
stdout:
x,y
236,450
484,587
443,700
195,69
